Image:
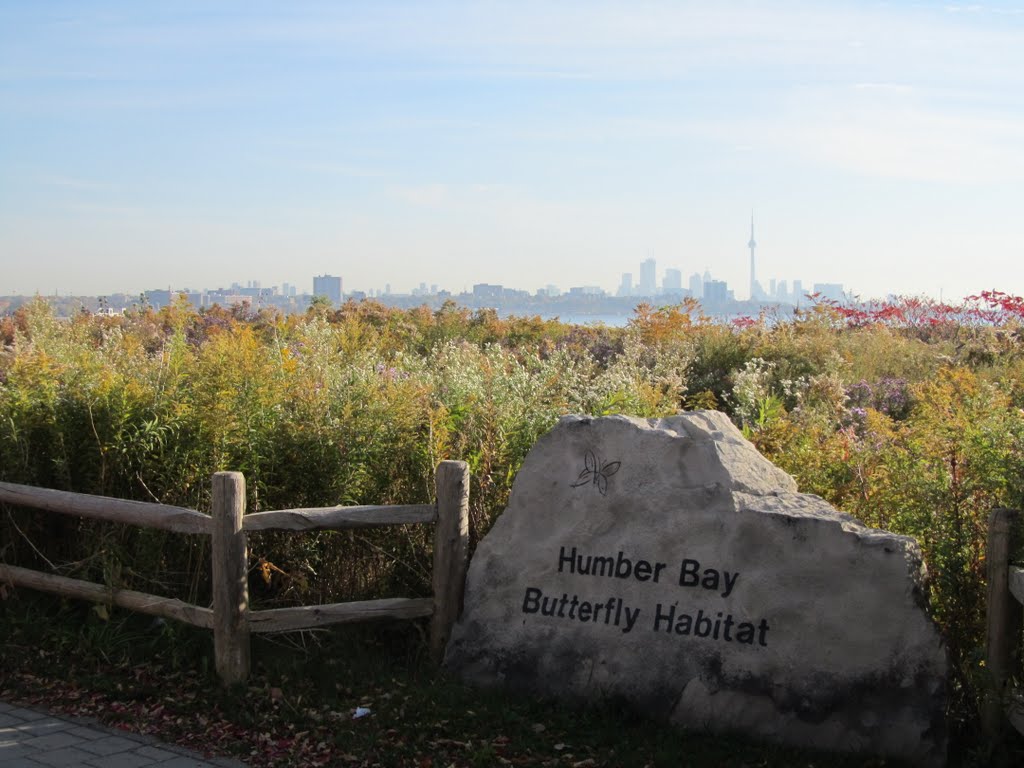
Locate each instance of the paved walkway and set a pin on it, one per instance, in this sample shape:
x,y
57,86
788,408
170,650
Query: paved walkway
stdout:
x,y
31,739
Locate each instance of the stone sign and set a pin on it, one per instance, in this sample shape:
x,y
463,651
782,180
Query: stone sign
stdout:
x,y
668,565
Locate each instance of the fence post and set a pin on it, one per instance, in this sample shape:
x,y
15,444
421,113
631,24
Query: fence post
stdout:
x,y
451,545
1003,622
230,560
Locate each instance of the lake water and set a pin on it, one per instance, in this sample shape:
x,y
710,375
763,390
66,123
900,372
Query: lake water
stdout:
x,y
611,321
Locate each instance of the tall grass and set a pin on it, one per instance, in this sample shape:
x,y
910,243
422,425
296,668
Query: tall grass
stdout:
x,y
909,416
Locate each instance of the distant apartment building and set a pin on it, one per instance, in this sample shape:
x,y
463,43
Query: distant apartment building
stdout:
x,y
626,285
672,285
487,291
329,286
716,292
235,299
696,285
831,291
648,277
159,298
196,298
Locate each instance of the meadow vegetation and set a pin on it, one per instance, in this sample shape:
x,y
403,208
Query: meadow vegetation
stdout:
x,y
908,415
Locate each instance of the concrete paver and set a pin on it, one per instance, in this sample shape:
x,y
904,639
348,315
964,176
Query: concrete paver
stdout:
x,y
33,739
110,745
57,740
65,757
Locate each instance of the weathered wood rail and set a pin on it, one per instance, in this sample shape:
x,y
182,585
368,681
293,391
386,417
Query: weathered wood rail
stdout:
x,y
230,617
1005,623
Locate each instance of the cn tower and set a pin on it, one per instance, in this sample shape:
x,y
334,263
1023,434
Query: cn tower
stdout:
x,y
752,245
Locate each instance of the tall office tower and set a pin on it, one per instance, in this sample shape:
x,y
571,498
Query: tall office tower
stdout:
x,y
798,292
626,286
648,277
752,245
716,292
673,282
329,286
696,285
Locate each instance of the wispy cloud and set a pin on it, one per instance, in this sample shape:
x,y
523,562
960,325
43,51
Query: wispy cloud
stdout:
x,y
71,182
900,134
423,195
461,197
347,171
11,75
886,87
107,210
535,39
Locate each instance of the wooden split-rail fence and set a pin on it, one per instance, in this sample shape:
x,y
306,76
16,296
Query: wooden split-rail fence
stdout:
x,y
227,524
1005,623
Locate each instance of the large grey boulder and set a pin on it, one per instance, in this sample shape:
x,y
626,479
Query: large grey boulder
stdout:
x,y
668,565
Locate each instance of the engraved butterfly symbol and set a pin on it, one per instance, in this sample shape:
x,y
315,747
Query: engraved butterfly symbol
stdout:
x,y
597,473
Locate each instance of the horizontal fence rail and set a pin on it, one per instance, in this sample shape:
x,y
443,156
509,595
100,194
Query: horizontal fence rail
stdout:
x,y
306,616
141,602
140,513
230,618
339,517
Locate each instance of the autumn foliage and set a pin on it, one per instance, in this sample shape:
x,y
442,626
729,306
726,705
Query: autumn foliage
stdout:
x,y
909,414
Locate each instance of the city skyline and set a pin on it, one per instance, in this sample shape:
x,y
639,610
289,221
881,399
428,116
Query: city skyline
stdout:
x,y
670,283
669,286
577,304
881,145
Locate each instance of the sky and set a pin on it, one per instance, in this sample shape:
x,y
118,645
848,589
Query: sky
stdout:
x,y
196,144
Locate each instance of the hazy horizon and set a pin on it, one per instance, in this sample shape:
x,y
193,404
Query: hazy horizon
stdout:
x,y
879,145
